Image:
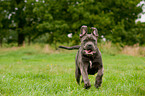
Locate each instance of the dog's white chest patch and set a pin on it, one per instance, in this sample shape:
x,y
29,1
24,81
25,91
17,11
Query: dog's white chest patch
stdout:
x,y
90,64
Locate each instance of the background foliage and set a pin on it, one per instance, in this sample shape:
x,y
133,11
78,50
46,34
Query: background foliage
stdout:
x,y
53,20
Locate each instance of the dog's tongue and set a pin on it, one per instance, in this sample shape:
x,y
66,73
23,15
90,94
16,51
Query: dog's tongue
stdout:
x,y
89,51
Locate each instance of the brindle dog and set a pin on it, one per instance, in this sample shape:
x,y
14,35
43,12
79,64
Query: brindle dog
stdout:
x,y
88,58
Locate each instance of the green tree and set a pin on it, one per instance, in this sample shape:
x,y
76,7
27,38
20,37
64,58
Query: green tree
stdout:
x,y
4,19
52,14
115,19
140,33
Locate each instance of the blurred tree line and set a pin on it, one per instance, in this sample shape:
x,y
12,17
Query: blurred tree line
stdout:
x,y
50,21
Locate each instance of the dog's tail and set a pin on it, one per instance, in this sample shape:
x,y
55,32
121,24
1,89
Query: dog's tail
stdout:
x,y
70,48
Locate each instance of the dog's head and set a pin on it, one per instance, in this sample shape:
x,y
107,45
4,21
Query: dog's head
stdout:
x,y
88,41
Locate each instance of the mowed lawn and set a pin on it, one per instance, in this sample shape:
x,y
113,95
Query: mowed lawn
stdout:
x,y
29,72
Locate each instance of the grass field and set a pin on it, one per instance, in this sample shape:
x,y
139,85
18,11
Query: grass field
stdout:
x,y
30,72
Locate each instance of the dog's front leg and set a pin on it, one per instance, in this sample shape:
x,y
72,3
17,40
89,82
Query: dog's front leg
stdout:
x,y
77,74
83,68
99,77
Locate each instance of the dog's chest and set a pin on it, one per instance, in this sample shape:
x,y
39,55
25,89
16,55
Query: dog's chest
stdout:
x,y
90,64
92,70
93,64
93,67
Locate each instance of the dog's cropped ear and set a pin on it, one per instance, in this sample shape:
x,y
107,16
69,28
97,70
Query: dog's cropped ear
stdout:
x,y
84,30
95,32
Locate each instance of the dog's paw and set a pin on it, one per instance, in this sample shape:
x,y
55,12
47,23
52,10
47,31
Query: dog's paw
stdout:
x,y
87,86
97,86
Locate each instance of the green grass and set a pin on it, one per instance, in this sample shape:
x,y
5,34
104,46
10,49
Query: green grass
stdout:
x,y
29,72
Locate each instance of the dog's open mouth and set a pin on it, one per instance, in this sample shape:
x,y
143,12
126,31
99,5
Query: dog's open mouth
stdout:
x,y
89,52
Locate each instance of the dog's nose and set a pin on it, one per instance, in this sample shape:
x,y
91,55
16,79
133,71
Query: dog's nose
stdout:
x,y
89,45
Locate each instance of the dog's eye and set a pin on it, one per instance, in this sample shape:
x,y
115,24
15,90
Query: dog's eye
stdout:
x,y
85,40
94,40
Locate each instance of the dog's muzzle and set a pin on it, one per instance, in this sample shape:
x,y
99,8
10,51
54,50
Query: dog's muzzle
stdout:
x,y
89,50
